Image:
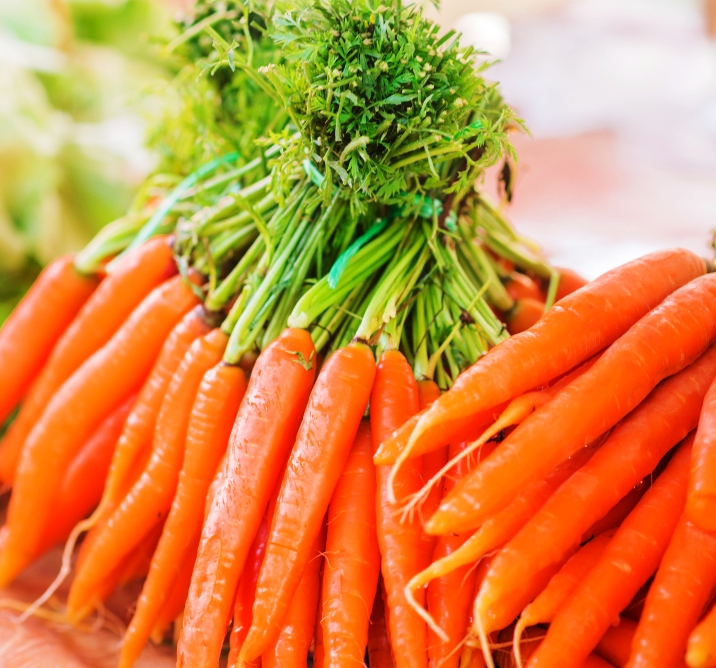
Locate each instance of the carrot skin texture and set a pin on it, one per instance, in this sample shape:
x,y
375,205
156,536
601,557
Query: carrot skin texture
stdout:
x,y
681,588
260,442
525,314
626,564
379,654
393,401
615,645
102,383
594,317
335,408
119,293
632,451
661,344
701,499
32,329
136,439
449,597
428,392
207,436
290,648
543,609
350,574
81,487
246,591
150,499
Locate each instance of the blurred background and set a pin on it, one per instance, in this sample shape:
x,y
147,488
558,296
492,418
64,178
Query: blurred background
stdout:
x,y
619,97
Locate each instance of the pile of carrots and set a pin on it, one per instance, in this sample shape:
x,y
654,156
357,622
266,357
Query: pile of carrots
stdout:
x,y
555,507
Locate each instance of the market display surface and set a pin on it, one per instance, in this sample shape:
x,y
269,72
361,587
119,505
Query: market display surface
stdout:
x,y
319,397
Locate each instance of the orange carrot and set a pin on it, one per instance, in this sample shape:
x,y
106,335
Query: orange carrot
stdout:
x,y
544,608
329,426
682,586
496,531
520,286
246,591
662,343
615,645
260,442
579,326
428,391
350,575
569,282
29,334
619,511
701,499
393,401
630,453
626,564
525,314
136,439
207,435
290,648
150,498
701,650
134,277
449,596
174,605
379,654
102,383
81,487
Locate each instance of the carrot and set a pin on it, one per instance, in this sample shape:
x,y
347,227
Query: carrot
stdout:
x,y
496,531
544,608
134,277
393,400
135,443
102,383
629,454
515,413
525,314
626,564
701,499
520,286
329,426
246,591
290,648
428,391
449,597
701,649
82,484
662,343
573,330
569,282
174,605
682,586
150,498
207,435
32,329
350,575
257,449
379,654
619,511
615,645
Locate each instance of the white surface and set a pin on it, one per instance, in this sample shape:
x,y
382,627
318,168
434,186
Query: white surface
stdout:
x,y
620,96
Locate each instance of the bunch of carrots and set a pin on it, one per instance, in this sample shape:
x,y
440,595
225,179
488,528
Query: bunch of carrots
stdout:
x,y
282,392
